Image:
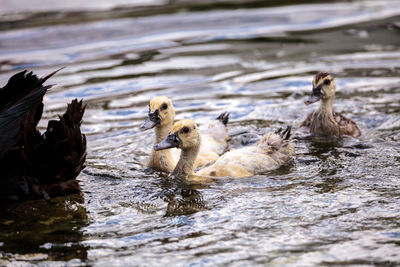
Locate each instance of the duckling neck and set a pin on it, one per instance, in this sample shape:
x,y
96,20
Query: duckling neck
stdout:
x,y
184,167
327,108
162,132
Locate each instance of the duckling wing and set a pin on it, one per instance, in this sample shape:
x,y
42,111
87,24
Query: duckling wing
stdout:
x,y
274,150
236,163
214,139
278,146
346,126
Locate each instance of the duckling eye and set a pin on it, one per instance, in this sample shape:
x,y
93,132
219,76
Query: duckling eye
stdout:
x,y
164,106
327,82
185,129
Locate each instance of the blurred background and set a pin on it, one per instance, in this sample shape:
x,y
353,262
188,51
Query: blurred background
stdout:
x,y
335,204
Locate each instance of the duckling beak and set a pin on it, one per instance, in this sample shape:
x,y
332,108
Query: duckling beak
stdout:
x,y
315,96
172,140
152,120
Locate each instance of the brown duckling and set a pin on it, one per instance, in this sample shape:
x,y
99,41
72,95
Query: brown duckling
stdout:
x,y
35,165
325,121
274,150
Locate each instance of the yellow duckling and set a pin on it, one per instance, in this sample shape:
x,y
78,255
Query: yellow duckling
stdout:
x,y
272,151
325,121
161,117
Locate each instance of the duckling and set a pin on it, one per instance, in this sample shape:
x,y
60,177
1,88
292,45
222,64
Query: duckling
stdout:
x,y
272,151
34,165
161,117
325,121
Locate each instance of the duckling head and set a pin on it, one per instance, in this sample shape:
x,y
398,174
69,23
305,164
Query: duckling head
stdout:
x,y
161,113
324,88
185,135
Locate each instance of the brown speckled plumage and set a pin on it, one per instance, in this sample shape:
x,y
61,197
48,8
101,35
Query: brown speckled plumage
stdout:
x,y
320,125
325,121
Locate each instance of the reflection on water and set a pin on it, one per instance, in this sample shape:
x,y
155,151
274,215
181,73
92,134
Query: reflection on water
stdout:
x,y
336,203
37,231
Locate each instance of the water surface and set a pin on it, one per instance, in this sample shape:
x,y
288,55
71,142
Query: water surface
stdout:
x,y
336,203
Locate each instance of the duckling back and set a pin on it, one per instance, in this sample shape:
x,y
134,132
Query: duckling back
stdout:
x,y
274,150
214,138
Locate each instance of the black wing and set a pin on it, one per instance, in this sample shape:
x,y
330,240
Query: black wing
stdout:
x,y
22,95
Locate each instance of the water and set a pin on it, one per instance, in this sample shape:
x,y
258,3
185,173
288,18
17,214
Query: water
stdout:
x,y
336,203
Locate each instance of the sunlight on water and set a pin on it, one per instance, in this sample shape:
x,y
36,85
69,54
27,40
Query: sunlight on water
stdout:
x,y
336,203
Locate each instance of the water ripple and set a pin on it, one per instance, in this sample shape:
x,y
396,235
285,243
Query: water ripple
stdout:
x,y
336,203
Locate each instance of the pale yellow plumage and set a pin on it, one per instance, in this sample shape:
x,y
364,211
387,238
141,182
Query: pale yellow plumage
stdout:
x,y
271,152
164,160
215,134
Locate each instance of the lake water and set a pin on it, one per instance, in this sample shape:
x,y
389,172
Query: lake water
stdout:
x,y
337,203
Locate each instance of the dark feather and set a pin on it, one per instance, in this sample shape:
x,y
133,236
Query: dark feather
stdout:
x,y
58,154
224,117
33,164
319,76
286,133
